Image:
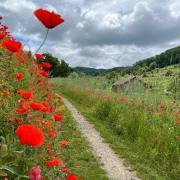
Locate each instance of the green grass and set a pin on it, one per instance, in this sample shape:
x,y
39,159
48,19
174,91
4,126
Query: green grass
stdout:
x,y
159,80
144,138
98,83
78,156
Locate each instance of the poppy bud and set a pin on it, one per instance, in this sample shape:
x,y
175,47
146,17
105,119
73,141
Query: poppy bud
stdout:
x,y
35,173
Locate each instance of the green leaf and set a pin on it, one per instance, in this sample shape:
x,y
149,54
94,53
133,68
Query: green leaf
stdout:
x,y
23,176
9,169
19,152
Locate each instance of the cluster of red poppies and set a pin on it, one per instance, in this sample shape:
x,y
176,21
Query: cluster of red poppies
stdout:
x,y
38,113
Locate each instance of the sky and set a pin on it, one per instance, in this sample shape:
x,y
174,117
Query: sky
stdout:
x,y
98,33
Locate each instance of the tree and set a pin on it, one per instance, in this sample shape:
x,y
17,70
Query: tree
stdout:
x,y
58,68
64,69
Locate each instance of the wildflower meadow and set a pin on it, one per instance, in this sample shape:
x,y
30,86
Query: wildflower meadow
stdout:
x,y
31,113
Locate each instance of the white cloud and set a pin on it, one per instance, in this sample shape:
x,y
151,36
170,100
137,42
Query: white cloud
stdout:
x,y
99,33
50,8
175,9
17,6
112,21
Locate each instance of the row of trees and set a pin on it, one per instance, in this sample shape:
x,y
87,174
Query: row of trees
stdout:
x,y
169,57
59,68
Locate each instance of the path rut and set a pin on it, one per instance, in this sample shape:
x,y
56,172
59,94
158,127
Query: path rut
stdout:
x,y
109,161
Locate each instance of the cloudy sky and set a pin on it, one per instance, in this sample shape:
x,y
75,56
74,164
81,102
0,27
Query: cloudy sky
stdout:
x,y
98,33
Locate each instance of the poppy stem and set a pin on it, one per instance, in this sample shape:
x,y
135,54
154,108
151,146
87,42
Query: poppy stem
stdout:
x,y
42,42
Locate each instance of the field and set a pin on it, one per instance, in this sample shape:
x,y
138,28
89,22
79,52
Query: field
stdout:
x,y
142,129
163,80
124,130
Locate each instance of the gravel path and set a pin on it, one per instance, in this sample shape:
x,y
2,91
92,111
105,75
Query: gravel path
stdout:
x,y
109,161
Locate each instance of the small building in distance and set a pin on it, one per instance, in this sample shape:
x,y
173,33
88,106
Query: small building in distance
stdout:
x,y
130,85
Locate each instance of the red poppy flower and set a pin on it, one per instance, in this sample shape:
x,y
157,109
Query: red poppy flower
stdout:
x,y
1,36
71,177
45,109
63,143
26,94
47,125
59,98
11,45
1,17
45,103
163,106
21,101
48,19
46,65
44,73
30,135
57,117
52,133
18,76
22,60
122,99
39,67
54,162
20,111
39,56
36,106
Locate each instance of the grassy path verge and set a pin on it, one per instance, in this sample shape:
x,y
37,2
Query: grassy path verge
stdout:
x,y
123,148
110,162
78,154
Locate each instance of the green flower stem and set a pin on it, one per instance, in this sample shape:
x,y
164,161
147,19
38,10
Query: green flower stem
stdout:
x,y
47,31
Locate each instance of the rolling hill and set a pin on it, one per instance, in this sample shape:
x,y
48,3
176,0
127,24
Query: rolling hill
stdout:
x,y
167,58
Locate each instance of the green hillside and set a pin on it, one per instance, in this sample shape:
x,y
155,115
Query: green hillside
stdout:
x,y
167,58
96,72
166,80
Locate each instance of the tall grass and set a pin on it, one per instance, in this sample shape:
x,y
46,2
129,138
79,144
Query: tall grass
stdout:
x,y
147,126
